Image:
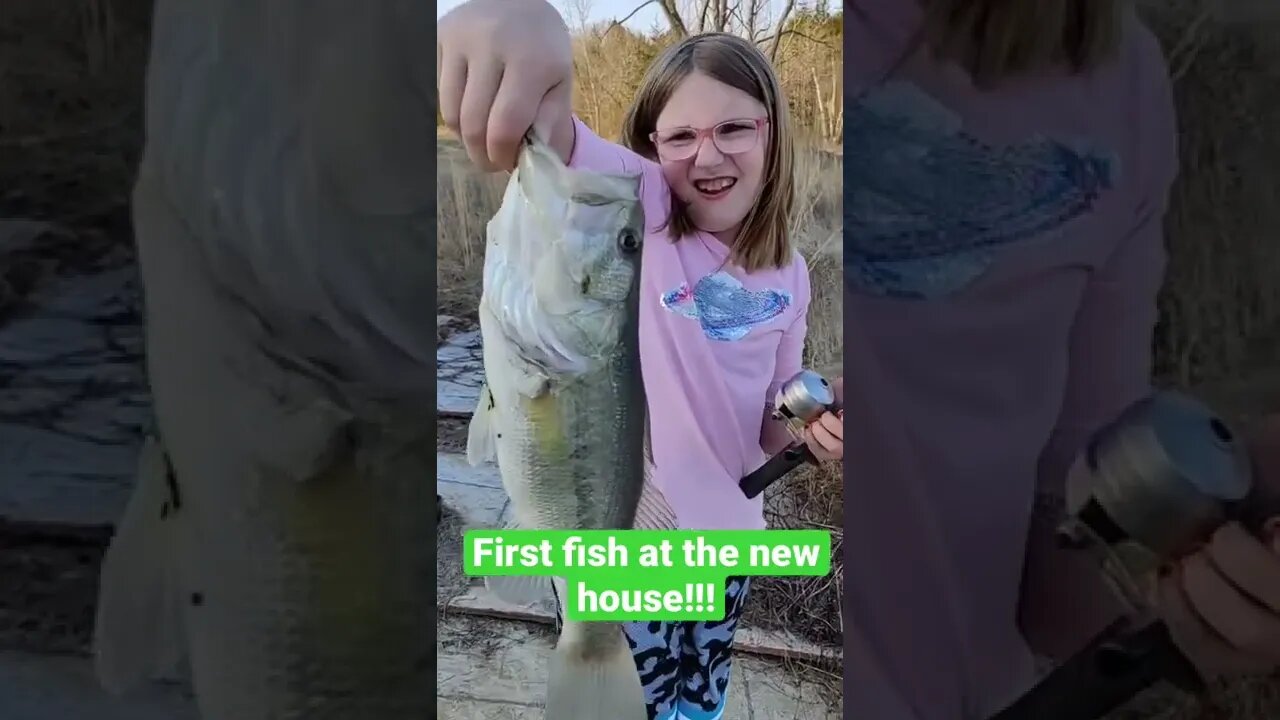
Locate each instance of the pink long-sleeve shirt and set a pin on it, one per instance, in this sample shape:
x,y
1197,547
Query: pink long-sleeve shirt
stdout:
x,y
1003,250
715,345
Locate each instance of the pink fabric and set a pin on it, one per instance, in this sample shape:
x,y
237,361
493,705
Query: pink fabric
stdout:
x,y
958,405
707,389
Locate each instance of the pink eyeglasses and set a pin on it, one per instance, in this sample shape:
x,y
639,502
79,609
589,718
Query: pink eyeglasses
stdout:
x,y
731,137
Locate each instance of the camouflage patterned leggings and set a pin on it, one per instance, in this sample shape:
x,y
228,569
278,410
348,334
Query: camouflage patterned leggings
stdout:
x,y
684,666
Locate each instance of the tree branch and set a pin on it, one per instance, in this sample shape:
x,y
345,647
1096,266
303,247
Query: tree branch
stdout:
x,y
702,15
782,24
810,38
618,23
673,16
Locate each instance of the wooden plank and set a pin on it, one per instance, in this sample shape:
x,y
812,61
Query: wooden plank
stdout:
x,y
478,601
74,400
459,374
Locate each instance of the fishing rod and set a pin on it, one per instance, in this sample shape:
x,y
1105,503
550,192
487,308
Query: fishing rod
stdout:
x,y
799,403
1154,485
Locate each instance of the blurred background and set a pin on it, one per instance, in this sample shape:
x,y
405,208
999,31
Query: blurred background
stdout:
x,y
73,400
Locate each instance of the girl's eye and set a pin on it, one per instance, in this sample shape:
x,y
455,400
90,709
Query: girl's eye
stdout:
x,y
737,128
678,137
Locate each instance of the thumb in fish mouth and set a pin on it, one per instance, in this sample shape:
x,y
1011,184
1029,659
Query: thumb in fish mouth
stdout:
x,y
553,125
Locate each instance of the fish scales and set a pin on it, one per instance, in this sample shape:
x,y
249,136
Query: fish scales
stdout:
x,y
580,441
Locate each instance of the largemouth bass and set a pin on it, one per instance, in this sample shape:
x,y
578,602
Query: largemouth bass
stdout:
x,y
276,539
279,536
563,406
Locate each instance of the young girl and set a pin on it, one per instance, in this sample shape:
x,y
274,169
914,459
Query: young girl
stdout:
x,y
724,293
1006,174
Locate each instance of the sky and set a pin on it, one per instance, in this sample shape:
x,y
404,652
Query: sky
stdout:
x,y
602,10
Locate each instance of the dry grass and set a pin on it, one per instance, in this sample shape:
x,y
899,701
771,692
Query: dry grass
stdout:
x,y
465,200
1221,302
1221,294
71,77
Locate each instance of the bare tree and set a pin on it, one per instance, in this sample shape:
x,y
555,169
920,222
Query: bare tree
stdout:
x,y
749,18
580,11
802,40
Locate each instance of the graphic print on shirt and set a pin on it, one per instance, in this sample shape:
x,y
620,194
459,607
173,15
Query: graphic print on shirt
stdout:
x,y
725,309
928,206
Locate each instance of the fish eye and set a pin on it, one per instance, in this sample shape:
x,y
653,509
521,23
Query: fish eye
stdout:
x,y
628,241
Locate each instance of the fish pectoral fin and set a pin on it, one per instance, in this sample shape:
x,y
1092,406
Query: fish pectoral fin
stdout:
x,y
533,384
481,439
519,590
309,440
138,625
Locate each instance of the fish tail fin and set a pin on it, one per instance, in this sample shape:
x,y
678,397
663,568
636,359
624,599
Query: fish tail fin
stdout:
x,y
519,589
593,675
481,447
138,628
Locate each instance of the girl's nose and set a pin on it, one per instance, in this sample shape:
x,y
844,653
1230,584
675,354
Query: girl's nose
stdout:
x,y
708,154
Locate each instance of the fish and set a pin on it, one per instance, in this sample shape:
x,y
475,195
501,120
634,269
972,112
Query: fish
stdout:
x,y
279,539
562,408
275,540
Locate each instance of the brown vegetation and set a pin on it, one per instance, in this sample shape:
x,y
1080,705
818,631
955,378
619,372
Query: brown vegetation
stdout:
x,y
1221,294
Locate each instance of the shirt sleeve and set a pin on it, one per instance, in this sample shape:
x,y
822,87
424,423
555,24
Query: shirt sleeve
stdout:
x,y
791,347
1110,360
1111,340
594,153
1064,598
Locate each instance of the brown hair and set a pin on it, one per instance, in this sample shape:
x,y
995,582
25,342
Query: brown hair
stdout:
x,y
997,39
764,240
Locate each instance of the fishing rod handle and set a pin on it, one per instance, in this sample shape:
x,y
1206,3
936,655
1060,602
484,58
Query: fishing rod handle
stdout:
x,y
1120,663
1116,665
777,466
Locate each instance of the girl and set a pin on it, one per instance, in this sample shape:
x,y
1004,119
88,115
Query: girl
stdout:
x,y
1006,176
724,294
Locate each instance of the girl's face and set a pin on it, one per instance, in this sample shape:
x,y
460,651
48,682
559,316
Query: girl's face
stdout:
x,y
711,140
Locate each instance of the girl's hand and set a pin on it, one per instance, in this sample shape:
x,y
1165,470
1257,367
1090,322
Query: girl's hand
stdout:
x,y
825,436
1222,604
503,67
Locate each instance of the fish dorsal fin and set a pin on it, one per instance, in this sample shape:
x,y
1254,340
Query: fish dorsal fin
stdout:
x,y
546,180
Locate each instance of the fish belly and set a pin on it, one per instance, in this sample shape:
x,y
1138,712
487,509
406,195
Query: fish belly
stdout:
x,y
302,536
570,456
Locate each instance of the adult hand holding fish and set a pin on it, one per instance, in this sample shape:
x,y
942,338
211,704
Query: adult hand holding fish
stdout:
x,y
505,66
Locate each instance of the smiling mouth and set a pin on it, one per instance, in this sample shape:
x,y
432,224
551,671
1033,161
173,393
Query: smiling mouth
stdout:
x,y
714,187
